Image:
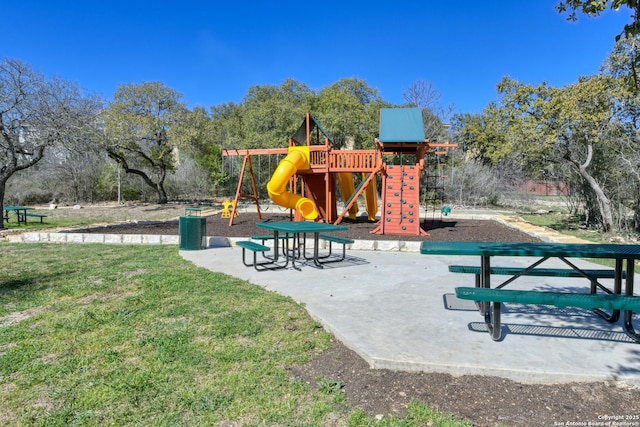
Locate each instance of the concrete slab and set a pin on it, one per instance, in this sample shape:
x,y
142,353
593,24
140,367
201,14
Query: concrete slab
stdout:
x,y
398,311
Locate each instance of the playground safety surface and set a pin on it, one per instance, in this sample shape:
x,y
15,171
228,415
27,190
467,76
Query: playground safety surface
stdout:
x,y
438,227
394,311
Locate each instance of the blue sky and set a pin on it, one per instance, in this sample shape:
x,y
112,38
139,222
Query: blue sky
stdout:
x,y
213,51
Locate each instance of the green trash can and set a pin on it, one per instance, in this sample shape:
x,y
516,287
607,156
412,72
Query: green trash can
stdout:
x,y
193,232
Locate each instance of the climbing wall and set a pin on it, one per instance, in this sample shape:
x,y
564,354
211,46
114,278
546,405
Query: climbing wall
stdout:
x,y
400,213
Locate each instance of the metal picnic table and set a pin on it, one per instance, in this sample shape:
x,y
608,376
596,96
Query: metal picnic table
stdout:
x,y
294,229
20,211
623,255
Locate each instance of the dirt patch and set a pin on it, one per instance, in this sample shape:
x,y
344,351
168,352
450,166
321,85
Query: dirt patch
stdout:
x,y
483,400
19,316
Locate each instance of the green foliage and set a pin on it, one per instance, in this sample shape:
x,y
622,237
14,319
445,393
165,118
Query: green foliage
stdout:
x,y
483,137
418,414
594,8
349,111
198,139
156,139
141,121
332,388
542,128
271,114
328,386
227,125
144,125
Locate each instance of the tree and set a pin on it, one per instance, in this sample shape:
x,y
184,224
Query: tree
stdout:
x,y
622,67
434,115
37,113
78,167
143,131
227,125
266,118
565,125
596,7
271,114
483,137
227,132
201,146
349,111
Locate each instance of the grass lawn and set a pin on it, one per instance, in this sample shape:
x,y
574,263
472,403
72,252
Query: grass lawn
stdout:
x,y
564,224
98,214
136,335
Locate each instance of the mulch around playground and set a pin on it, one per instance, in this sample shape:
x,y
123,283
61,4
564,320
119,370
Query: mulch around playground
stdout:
x,y
485,401
440,228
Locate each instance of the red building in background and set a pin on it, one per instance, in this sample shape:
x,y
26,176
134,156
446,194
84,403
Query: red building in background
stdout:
x,y
546,188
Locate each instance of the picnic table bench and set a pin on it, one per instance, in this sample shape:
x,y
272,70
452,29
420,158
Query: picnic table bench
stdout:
x,y
248,245
263,238
591,274
189,211
496,297
36,215
340,240
489,300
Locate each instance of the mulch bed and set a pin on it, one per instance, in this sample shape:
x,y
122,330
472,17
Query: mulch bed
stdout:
x,y
360,229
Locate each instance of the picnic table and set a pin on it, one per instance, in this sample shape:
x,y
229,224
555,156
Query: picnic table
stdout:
x,y
191,211
489,299
295,232
20,211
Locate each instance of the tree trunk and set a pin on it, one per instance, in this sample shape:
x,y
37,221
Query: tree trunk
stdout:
x,y
162,194
2,189
157,186
604,203
636,211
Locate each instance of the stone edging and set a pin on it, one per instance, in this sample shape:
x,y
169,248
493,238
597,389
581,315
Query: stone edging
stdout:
x,y
126,239
543,233
212,241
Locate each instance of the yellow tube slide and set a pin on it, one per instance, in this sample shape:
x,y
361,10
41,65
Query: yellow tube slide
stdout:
x,y
371,199
347,187
297,159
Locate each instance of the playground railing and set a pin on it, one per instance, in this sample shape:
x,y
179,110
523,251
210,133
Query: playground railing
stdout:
x,y
354,161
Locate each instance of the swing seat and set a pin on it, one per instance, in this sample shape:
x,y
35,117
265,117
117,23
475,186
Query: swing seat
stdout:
x,y
226,213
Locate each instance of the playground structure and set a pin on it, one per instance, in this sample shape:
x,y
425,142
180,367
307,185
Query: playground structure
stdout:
x,y
312,172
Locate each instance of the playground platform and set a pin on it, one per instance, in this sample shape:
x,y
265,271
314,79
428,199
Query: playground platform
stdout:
x,y
398,311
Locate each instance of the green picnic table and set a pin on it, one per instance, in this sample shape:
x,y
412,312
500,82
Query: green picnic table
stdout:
x,y
624,257
294,229
20,211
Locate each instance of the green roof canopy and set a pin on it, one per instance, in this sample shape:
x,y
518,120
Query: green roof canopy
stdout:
x,y
401,125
